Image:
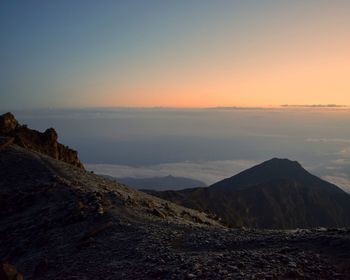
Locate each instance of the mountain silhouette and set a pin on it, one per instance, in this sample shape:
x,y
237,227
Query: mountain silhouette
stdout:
x,y
278,193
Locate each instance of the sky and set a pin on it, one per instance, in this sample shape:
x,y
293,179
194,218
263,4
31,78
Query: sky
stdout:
x,y
136,53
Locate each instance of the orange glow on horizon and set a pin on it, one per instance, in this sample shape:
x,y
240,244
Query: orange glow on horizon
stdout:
x,y
303,65
317,81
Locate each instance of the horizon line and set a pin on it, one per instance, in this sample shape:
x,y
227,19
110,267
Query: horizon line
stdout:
x,y
282,106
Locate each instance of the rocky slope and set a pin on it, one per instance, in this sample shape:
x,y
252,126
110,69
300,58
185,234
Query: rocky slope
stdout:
x,y
275,194
45,143
50,209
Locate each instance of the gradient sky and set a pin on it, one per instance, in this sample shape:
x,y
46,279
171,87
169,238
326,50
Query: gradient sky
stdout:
x,y
174,53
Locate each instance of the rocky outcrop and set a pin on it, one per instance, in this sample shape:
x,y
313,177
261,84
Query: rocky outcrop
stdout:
x,y
45,143
8,123
9,272
5,141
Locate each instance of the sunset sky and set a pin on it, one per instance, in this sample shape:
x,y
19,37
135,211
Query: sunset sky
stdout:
x,y
174,53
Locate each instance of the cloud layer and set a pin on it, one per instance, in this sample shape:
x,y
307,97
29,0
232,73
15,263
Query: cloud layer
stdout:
x,y
334,171
206,171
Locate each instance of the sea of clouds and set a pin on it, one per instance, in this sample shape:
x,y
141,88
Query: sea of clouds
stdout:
x,y
204,144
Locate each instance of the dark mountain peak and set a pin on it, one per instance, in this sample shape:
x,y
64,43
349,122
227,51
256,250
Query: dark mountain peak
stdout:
x,y
275,169
282,161
280,166
45,143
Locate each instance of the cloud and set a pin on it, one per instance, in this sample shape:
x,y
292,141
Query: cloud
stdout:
x,y
341,181
314,106
340,162
334,171
328,140
206,171
345,152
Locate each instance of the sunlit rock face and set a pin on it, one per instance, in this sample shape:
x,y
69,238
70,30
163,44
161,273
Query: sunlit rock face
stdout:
x,y
45,143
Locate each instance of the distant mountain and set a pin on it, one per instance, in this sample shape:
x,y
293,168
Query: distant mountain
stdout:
x,y
278,193
272,170
161,183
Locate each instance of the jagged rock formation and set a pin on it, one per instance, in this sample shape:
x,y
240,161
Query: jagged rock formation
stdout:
x,y
277,194
45,143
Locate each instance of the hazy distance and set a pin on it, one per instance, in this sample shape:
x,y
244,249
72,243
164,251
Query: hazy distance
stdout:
x,y
203,144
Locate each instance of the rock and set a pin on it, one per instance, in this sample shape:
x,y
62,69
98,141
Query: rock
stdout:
x,y
293,274
9,272
96,231
41,267
149,204
45,143
158,213
8,123
51,135
5,141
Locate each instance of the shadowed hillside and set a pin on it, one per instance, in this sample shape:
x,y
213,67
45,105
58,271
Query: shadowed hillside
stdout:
x,y
275,194
51,212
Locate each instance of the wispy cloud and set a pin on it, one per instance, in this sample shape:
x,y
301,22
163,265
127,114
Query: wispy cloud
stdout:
x,y
334,171
206,171
314,106
341,180
345,152
328,140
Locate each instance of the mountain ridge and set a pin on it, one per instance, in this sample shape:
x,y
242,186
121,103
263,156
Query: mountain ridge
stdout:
x,y
277,193
275,168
